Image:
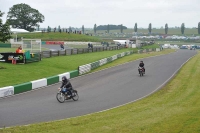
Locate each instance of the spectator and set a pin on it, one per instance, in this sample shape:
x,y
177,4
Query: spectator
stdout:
x,y
89,45
62,46
107,44
126,45
19,49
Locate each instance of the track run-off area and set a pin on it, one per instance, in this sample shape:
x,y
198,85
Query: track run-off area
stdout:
x,y
97,91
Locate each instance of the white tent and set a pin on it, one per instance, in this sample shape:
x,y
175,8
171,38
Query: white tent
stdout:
x,y
18,30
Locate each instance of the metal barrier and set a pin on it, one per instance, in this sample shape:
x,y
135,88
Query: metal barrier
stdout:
x,y
47,54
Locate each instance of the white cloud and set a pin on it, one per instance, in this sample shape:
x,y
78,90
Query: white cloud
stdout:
x,y
102,12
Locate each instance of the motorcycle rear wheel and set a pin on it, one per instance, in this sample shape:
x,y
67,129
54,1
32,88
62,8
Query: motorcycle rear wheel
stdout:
x,y
75,96
140,73
60,97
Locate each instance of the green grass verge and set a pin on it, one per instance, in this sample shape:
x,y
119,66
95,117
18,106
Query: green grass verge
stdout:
x,y
173,109
58,37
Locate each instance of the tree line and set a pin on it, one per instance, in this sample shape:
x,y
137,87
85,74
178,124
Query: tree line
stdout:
x,y
25,17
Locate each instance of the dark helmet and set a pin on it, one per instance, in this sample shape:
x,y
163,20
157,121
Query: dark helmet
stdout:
x,y
141,61
64,78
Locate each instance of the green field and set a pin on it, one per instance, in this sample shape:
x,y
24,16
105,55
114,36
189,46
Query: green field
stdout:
x,y
173,109
58,37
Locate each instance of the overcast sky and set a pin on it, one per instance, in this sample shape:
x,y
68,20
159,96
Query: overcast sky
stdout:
x,y
76,13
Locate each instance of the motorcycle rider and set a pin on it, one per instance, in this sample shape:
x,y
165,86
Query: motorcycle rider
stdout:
x,y
66,85
142,66
62,46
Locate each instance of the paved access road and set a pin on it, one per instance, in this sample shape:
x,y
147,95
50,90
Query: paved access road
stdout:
x,y
98,91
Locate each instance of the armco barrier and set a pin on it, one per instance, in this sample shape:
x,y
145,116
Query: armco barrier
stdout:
x,y
109,59
39,83
73,73
11,90
119,56
122,54
114,57
52,80
102,61
22,87
94,65
64,74
86,68
6,91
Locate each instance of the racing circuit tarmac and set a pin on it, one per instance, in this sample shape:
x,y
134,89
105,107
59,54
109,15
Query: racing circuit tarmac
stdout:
x,y
97,91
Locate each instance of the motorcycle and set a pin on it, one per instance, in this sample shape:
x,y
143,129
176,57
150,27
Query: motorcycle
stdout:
x,y
141,71
64,94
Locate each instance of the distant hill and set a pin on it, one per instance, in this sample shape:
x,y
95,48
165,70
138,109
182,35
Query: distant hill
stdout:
x,y
111,27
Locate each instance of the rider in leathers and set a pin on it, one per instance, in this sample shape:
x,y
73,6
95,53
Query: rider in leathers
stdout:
x,y
66,84
142,66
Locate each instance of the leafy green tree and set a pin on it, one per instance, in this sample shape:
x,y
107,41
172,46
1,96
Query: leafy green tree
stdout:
x,y
111,27
5,32
199,28
150,28
135,27
166,28
95,28
121,28
182,28
24,17
108,28
83,29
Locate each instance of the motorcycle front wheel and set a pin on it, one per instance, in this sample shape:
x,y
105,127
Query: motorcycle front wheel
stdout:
x,y
60,97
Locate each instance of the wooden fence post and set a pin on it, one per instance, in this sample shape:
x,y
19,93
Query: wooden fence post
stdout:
x,y
50,53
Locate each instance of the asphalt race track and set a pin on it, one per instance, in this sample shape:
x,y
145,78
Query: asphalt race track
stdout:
x,y
97,91
55,47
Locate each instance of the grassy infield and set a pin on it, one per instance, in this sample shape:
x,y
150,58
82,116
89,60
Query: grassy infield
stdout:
x,y
175,108
58,37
